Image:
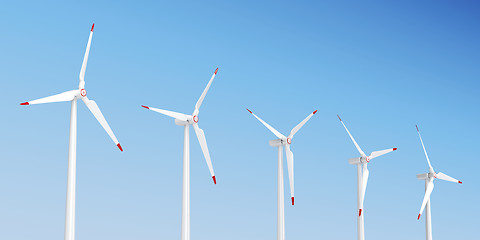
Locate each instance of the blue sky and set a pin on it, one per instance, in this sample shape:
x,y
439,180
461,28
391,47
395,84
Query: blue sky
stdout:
x,y
384,66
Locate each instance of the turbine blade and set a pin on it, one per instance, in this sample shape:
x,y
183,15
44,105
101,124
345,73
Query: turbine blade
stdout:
x,y
290,170
365,175
353,140
278,134
81,76
200,100
381,152
203,145
62,97
179,116
300,125
426,155
93,107
445,177
428,191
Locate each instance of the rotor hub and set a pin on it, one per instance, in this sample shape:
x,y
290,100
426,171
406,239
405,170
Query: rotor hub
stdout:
x,y
83,93
195,119
289,140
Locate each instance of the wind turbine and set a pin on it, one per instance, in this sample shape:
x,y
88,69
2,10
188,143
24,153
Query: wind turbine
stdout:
x,y
362,178
429,177
281,142
187,120
73,96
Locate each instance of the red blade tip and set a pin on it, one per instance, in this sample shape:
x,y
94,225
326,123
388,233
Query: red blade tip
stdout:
x,y
93,25
249,110
360,212
25,103
417,128
119,146
339,118
216,70
314,111
214,180
145,107
418,216
460,182
394,149
293,200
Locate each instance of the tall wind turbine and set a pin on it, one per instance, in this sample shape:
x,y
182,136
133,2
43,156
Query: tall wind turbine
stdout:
x,y
429,177
187,120
73,96
281,142
362,178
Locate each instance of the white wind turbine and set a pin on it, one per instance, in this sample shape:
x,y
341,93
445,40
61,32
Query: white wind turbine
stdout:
x,y
429,177
362,178
187,120
73,96
281,142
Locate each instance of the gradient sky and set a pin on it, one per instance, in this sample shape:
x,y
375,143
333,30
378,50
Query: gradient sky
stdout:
x,y
383,66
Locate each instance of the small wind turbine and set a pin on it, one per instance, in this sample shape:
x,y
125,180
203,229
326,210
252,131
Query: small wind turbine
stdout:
x,y
187,120
429,177
73,96
281,142
362,178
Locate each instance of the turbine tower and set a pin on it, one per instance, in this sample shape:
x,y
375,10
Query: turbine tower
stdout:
x,y
429,177
73,96
187,120
362,178
282,142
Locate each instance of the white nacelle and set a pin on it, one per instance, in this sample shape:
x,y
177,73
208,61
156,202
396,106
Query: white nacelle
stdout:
x,y
355,161
276,142
180,122
423,176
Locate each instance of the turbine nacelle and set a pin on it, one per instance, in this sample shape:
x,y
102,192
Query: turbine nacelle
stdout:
x,y
189,121
280,142
359,160
423,176
428,175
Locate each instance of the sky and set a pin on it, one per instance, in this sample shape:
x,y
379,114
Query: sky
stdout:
x,y
383,66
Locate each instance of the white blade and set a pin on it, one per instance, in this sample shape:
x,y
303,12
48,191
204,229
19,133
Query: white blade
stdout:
x,y
354,142
382,152
279,135
300,125
200,100
81,76
290,171
445,177
426,155
93,107
428,191
62,97
179,116
203,145
365,175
